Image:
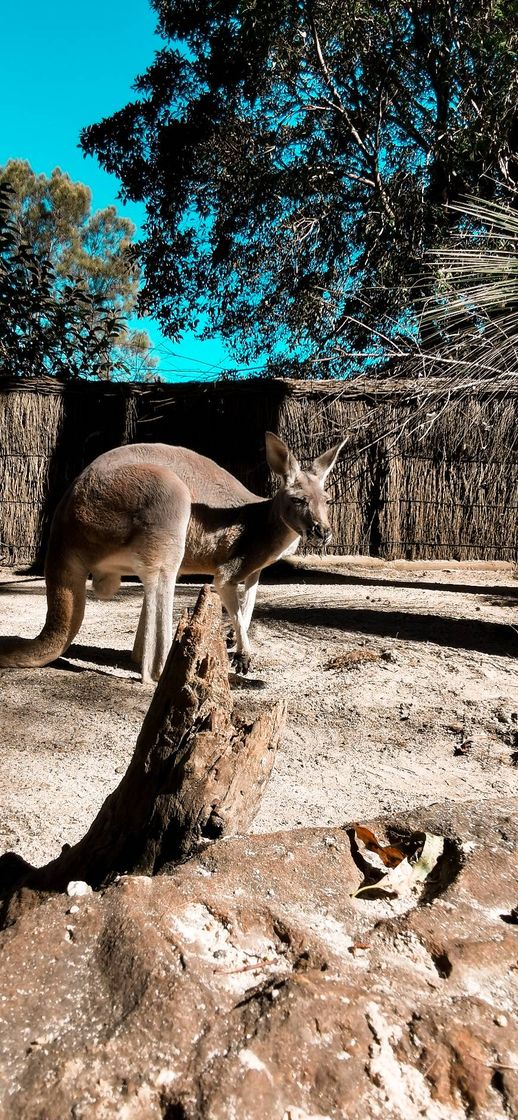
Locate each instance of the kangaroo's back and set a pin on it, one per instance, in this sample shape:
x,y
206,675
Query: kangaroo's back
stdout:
x,y
207,482
152,510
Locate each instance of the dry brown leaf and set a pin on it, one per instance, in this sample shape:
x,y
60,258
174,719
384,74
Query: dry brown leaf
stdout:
x,y
388,854
402,878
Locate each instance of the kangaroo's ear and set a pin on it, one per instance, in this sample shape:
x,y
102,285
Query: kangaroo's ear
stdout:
x,y
280,459
325,463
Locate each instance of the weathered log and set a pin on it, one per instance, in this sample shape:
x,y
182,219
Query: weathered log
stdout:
x,y
195,774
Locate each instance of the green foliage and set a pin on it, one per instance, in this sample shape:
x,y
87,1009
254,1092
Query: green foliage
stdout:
x,y
474,309
46,327
68,280
295,158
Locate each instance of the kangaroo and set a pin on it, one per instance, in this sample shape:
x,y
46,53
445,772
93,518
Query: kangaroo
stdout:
x,y
157,511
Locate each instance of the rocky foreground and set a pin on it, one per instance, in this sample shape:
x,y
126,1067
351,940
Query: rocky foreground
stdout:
x,y
249,984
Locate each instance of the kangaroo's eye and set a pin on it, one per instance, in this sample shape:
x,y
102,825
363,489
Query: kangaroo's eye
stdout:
x,y
299,501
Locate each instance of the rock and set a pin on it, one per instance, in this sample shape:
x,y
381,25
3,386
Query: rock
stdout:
x,y
76,888
249,984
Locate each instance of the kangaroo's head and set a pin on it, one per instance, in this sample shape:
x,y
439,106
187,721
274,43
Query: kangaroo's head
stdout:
x,y
301,500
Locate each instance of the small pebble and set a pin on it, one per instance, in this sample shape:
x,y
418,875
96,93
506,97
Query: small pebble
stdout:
x,y
77,887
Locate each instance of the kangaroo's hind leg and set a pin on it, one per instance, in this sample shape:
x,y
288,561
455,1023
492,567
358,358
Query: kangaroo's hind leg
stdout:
x,y
155,629
137,652
160,549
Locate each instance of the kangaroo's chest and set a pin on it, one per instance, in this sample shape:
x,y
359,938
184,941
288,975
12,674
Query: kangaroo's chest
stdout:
x,y
233,546
208,548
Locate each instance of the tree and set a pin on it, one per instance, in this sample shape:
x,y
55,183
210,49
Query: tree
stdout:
x,y
70,250
46,326
295,158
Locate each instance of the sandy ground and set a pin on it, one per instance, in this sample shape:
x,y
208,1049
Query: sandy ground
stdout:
x,y
401,679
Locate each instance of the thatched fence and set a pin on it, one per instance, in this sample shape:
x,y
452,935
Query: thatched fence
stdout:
x,y
428,471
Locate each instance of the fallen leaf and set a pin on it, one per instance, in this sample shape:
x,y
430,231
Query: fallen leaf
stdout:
x,y
387,853
403,877
433,848
396,882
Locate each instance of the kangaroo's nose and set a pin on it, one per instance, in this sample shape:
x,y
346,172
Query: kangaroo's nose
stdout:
x,y
318,530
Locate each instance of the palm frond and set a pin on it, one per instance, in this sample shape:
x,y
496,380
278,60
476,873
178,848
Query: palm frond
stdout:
x,y
472,316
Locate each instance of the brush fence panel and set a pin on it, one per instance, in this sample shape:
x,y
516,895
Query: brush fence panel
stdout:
x,y
426,473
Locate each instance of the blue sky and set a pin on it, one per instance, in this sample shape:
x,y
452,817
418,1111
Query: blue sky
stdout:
x,y
63,66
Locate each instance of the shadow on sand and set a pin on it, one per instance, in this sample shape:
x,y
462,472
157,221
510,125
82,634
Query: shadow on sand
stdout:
x,y
465,633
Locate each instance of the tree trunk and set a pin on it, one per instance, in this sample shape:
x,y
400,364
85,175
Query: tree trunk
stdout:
x,y
195,774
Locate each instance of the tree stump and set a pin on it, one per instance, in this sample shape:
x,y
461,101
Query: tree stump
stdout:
x,y
195,774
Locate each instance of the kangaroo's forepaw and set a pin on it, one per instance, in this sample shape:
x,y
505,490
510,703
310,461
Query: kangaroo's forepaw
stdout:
x,y
240,662
230,640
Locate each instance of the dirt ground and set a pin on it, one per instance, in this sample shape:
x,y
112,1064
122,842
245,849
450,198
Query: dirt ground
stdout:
x,y
401,680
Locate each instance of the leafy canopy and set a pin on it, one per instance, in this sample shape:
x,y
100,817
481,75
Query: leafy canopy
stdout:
x,y
295,158
68,281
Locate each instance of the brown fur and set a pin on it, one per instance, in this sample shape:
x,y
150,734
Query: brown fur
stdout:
x,y
156,511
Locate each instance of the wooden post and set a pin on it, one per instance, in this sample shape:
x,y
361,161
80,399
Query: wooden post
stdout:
x,y
195,774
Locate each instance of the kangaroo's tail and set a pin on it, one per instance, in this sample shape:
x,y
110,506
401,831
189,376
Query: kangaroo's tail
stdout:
x,y
66,596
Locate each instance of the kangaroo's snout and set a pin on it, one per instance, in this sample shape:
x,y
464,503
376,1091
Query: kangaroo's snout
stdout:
x,y
323,532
